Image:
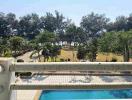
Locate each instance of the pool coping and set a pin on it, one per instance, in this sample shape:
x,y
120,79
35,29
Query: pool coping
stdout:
x,y
37,96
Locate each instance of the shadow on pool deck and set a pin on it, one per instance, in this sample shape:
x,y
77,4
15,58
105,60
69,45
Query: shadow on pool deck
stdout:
x,y
116,78
87,79
127,78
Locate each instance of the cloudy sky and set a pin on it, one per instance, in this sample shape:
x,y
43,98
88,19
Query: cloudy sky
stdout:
x,y
73,9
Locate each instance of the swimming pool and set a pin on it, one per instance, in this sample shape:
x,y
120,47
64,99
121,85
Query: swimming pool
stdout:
x,y
86,94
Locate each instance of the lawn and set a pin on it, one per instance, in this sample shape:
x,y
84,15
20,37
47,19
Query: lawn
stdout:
x,y
101,57
65,54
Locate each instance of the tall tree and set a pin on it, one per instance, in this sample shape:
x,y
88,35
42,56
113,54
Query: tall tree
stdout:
x,y
129,23
71,33
75,34
126,43
60,23
54,23
117,42
29,26
121,23
93,25
4,28
48,22
12,23
110,27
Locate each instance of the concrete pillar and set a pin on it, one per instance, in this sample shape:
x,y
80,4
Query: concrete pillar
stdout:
x,y
5,78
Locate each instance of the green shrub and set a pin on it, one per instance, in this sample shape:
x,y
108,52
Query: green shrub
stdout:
x,y
25,74
62,60
8,53
114,60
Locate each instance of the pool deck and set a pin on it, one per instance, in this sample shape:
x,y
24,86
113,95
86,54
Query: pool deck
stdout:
x,y
51,79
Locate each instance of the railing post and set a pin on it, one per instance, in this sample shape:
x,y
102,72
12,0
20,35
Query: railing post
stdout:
x,y
5,78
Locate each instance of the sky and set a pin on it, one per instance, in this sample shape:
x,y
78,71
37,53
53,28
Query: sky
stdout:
x,y
73,9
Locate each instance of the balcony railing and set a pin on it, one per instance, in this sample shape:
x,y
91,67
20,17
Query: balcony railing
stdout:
x,y
8,68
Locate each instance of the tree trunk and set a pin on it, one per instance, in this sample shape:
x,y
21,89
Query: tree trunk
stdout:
x,y
93,59
55,59
126,53
44,59
73,53
47,59
39,56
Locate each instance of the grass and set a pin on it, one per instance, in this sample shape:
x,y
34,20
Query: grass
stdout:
x,y
68,54
65,54
100,56
103,57
57,60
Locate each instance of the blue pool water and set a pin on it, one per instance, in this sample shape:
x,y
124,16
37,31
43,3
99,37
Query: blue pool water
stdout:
x,y
85,95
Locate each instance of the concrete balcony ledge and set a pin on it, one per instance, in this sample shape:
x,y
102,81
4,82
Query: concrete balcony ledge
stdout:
x,y
71,86
75,66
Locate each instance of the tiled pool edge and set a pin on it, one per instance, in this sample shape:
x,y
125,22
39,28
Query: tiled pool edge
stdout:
x,y
38,94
